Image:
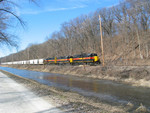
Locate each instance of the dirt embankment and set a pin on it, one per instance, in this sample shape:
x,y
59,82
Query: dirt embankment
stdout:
x,y
134,75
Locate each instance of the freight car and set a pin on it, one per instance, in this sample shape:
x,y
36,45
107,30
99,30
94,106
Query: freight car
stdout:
x,y
31,62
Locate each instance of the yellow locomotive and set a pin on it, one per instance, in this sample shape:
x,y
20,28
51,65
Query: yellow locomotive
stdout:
x,y
91,58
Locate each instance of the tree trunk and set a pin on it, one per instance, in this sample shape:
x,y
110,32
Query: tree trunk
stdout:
x,y
139,43
147,51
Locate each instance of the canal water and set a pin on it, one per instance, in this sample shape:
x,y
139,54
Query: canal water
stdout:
x,y
104,90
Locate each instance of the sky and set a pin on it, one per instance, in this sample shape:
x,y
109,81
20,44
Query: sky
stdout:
x,y
46,17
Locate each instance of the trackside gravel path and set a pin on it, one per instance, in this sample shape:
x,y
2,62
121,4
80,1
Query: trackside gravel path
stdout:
x,y
15,98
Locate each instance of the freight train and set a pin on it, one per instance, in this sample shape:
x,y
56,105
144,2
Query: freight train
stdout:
x,y
91,58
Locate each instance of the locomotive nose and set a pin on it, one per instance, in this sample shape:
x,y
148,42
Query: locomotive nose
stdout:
x,y
96,58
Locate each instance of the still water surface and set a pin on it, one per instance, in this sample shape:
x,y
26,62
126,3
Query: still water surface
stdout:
x,y
104,90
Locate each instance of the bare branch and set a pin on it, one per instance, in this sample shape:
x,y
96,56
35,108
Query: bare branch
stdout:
x,y
21,22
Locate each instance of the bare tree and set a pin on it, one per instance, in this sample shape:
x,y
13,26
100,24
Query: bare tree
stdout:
x,y
6,9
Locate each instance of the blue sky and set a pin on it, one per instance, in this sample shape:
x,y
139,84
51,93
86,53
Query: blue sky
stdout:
x,y
46,17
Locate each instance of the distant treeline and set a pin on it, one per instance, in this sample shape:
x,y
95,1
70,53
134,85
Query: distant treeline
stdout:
x,y
126,33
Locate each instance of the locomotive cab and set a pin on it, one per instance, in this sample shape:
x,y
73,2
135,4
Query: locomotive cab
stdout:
x,y
95,57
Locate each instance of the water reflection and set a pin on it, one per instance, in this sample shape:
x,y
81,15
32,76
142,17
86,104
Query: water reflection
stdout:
x,y
107,91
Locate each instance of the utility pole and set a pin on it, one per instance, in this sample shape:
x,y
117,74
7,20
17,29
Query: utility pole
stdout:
x,y
102,48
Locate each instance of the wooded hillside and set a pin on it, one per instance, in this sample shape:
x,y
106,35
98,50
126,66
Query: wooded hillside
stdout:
x,y
126,33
